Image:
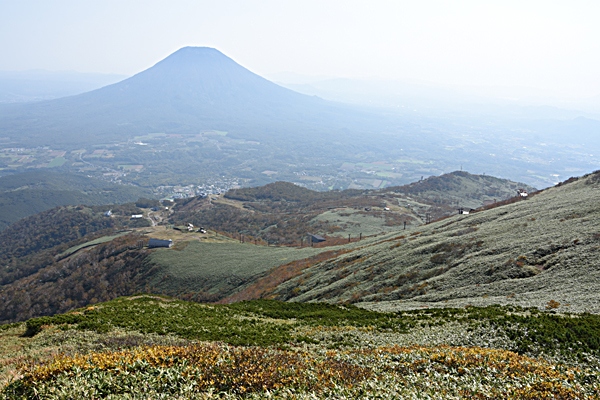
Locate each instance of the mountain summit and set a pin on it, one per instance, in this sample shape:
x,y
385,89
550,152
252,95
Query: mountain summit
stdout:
x,y
205,79
205,69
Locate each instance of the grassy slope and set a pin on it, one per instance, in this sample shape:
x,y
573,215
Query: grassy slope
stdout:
x,y
527,253
100,240
220,269
355,222
147,347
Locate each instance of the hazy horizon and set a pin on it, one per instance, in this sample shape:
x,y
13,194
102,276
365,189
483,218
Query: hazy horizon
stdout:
x,y
548,47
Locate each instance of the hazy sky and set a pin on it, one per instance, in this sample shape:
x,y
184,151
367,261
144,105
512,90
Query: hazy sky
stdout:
x,y
551,45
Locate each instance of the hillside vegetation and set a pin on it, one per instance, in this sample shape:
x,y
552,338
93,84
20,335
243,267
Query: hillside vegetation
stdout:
x,y
538,252
29,193
99,274
497,304
150,347
43,273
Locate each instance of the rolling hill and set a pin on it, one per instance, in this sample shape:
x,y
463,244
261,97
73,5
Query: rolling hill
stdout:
x,y
462,189
281,212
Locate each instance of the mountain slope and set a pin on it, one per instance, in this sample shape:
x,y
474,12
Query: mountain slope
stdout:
x,y
539,252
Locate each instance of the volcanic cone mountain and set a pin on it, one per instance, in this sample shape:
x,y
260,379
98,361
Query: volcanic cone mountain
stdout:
x,y
193,90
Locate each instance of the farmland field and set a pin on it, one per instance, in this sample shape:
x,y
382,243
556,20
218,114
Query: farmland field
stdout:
x,y
57,162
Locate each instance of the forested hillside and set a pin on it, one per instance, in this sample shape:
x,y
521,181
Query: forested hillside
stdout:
x,y
99,274
31,192
39,279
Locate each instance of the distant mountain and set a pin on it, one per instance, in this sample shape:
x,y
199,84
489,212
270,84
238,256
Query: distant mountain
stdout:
x,y
203,114
192,90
